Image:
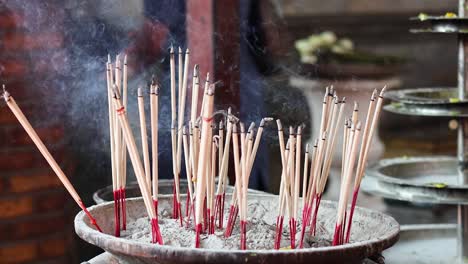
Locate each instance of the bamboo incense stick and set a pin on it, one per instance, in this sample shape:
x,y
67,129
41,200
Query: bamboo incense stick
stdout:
x,y
154,109
144,136
123,179
280,217
180,64
175,210
188,170
115,184
45,152
204,146
211,188
195,87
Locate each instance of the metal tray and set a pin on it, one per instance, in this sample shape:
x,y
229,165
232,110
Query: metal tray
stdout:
x,y
424,244
438,101
442,24
417,179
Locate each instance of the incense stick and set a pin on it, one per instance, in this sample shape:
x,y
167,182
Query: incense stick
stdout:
x,y
45,152
144,136
154,109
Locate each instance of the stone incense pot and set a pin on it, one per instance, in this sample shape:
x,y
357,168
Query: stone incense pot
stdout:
x,y
372,233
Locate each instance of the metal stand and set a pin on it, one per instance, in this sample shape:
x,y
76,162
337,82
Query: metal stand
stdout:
x,y
462,228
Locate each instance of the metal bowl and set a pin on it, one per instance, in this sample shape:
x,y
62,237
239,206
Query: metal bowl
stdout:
x,y
418,179
442,24
438,101
372,233
425,244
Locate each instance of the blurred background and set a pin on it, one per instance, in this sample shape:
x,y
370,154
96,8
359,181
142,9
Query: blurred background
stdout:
x,y
52,60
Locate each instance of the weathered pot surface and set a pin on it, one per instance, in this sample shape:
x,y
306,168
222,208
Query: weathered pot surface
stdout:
x,y
372,233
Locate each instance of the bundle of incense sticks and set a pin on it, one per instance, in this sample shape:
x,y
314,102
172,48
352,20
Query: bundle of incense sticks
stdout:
x,y
372,119
138,167
315,176
10,101
177,121
117,76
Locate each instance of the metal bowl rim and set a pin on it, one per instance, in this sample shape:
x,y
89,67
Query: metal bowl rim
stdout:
x,y
374,171
392,237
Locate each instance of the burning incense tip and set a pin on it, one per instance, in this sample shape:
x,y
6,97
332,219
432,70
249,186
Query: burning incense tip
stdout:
x,y
280,126
242,127
171,50
115,89
316,142
343,101
324,135
187,51
108,58
265,120
358,126
374,94
6,94
251,127
299,130
383,91
356,106
210,90
208,77
180,49
140,92
307,148
125,59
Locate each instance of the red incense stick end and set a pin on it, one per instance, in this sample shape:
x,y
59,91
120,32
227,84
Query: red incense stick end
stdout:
x,y
174,202
157,237
208,221
91,218
336,236
351,213
228,225
243,225
179,213
117,213
212,224
198,230
292,232
123,197
222,210
187,204
217,212
279,231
